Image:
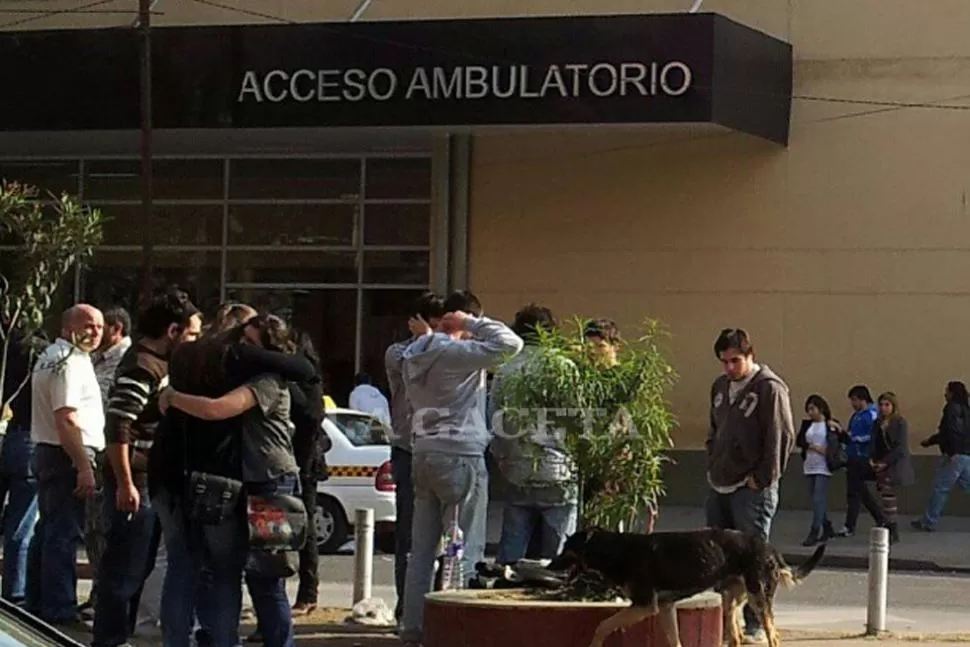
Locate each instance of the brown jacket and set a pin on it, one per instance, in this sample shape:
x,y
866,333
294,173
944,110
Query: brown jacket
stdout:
x,y
752,437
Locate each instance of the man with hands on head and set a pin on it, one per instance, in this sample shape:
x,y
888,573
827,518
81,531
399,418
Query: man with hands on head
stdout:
x,y
444,374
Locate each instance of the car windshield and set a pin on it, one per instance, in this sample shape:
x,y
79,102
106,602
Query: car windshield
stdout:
x,y
20,629
361,430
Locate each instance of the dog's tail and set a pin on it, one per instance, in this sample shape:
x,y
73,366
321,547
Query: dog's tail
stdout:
x,y
791,577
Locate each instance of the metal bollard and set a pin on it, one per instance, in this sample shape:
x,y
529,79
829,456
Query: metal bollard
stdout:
x,y
363,553
878,580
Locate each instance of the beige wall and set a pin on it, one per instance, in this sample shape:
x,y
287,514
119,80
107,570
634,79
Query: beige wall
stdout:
x,y
846,255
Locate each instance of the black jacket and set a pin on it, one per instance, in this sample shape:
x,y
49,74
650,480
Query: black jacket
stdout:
x,y
953,433
833,439
891,446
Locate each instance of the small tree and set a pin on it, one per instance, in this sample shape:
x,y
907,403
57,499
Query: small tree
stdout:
x,y
50,239
614,422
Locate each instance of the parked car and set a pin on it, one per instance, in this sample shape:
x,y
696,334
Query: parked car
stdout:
x,y
360,477
20,629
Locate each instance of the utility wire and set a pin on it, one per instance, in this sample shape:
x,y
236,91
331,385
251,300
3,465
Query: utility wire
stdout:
x,y
55,12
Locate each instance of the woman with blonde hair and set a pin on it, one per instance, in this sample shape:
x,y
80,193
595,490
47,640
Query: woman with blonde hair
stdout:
x,y
890,458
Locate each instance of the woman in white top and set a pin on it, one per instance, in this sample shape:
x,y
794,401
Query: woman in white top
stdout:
x,y
819,441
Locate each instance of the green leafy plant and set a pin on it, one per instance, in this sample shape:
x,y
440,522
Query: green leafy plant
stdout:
x,y
614,422
51,236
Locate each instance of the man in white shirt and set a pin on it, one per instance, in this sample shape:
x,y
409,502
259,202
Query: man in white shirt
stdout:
x,y
367,398
67,425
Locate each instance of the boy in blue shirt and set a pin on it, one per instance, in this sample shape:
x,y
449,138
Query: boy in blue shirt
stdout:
x,y
858,470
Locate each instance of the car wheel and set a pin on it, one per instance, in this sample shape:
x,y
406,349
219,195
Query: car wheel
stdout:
x,y
385,542
331,525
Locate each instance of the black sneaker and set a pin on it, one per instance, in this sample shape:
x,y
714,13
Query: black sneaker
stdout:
x,y
846,532
919,524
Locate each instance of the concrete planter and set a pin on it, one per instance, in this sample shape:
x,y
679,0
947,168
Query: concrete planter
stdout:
x,y
474,618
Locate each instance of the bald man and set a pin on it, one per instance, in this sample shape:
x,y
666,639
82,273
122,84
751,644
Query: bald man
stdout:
x,y
67,425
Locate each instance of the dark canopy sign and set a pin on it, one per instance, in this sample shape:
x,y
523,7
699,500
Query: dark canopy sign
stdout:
x,y
654,68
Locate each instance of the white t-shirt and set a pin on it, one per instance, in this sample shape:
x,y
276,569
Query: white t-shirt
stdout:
x,y
64,378
815,463
370,400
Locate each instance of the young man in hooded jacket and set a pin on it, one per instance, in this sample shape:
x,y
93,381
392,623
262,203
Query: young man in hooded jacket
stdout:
x,y
751,436
444,374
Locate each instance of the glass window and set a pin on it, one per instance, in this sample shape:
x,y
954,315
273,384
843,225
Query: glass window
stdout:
x,y
397,224
173,224
384,321
408,268
296,179
361,431
114,277
172,179
291,266
398,178
48,176
292,224
330,318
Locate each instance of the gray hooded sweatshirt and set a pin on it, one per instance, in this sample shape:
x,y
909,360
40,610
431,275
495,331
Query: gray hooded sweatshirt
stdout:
x,y
445,382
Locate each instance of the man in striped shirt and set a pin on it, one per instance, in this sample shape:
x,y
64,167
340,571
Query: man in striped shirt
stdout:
x,y
131,419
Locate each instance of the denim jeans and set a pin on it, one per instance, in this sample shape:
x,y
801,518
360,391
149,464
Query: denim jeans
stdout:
x,y
818,487
404,514
20,513
952,471
51,591
270,602
131,544
554,522
751,512
217,550
309,574
442,482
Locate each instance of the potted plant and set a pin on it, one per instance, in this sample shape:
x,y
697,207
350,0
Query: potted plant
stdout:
x,y
614,421
51,236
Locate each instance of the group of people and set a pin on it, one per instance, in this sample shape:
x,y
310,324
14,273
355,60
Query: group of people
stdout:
x,y
186,428
154,449
874,446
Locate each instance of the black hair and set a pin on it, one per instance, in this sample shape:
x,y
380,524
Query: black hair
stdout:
x,y
958,393
606,329
363,378
820,404
117,315
733,339
531,318
164,309
861,392
428,306
463,301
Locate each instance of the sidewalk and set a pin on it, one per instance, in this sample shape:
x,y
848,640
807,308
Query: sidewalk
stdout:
x,y
941,551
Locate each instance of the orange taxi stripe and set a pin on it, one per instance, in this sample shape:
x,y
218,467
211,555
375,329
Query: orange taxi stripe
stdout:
x,y
352,470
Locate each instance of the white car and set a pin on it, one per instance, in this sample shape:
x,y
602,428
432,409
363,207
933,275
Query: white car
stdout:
x,y
360,477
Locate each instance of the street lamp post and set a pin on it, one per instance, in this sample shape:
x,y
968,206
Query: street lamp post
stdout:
x,y
147,225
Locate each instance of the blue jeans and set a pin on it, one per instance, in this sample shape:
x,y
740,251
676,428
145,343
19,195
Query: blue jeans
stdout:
x,y
952,471
751,512
217,550
442,482
130,545
20,513
404,514
51,591
818,487
270,602
555,523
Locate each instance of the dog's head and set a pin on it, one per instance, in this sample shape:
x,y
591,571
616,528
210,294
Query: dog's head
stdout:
x,y
573,555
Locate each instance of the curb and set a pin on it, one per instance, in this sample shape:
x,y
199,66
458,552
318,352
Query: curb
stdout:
x,y
859,563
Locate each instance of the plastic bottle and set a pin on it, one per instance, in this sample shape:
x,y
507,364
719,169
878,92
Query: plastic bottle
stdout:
x,y
453,541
